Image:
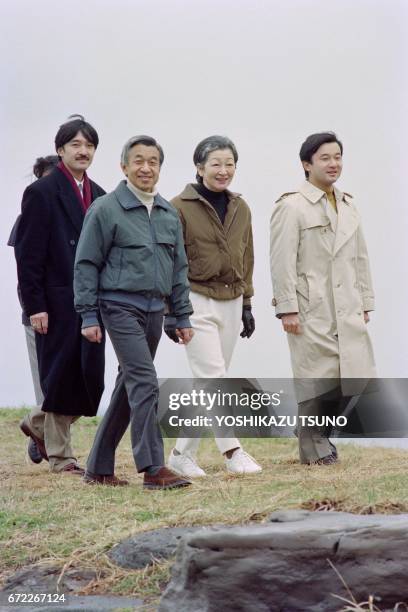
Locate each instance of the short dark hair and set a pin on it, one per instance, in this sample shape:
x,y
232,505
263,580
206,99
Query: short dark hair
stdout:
x,y
42,164
148,141
69,129
210,144
313,143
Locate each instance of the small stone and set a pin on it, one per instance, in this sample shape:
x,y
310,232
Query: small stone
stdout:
x,y
144,548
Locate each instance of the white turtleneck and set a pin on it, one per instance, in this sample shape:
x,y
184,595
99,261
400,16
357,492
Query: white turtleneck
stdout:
x,y
146,198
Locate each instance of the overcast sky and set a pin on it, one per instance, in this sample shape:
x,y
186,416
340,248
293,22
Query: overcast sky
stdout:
x,y
265,73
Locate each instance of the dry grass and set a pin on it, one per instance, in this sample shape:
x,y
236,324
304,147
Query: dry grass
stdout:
x,y
56,519
352,605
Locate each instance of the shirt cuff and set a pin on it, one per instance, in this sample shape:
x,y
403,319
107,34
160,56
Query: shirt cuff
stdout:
x,y
90,319
183,322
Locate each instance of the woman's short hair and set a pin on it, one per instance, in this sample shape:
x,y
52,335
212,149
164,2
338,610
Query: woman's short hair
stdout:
x,y
44,164
210,144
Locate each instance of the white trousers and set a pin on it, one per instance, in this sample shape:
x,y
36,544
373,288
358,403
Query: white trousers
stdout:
x,y
216,325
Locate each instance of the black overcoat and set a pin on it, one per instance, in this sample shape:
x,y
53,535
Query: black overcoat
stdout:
x,y
71,368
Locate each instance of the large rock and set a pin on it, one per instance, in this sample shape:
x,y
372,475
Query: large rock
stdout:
x,y
284,566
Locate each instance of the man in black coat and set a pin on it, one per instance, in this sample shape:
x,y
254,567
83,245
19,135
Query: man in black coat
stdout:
x,y
71,368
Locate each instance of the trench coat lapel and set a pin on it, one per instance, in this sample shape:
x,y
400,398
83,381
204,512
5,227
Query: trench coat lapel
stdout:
x,y
347,221
317,197
69,201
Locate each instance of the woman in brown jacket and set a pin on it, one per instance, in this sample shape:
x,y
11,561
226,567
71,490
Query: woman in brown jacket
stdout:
x,y
218,240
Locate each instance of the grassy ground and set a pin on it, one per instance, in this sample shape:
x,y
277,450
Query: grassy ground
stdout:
x,y
47,518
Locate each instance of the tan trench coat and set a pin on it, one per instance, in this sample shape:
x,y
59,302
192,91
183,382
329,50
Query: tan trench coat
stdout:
x,y
319,266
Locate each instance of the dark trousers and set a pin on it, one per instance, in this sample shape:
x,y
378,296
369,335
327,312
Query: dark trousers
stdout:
x,y
135,335
314,441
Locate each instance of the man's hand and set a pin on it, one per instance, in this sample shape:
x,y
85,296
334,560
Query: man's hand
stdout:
x,y
170,328
185,334
366,317
39,322
291,323
248,322
93,334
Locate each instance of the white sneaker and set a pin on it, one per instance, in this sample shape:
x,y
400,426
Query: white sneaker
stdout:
x,y
185,465
242,463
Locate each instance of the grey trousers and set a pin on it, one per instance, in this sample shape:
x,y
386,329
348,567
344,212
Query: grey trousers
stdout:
x,y
314,441
135,335
32,355
53,428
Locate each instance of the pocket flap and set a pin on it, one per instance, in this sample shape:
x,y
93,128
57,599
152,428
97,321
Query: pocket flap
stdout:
x,y
302,287
164,236
311,222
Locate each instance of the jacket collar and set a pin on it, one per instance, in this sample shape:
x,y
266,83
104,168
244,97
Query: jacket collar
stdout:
x,y
189,193
311,193
314,194
128,200
347,217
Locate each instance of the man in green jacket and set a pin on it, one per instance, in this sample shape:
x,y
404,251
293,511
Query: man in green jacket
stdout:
x,y
130,259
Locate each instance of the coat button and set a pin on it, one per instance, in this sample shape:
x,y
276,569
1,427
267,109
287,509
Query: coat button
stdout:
x,y
72,242
274,302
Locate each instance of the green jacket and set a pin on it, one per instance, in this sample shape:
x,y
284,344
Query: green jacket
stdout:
x,y
220,257
122,249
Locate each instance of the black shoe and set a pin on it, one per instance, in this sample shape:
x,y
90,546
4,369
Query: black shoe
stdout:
x,y
33,452
328,460
40,443
333,449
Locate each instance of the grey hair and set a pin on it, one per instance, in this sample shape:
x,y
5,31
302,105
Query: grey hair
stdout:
x,y
210,144
135,140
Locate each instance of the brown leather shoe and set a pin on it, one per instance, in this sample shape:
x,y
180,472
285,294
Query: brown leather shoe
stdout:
x,y
40,443
108,479
72,468
164,479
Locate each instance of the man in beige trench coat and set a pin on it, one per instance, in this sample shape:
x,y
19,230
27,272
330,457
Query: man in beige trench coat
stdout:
x,y
322,290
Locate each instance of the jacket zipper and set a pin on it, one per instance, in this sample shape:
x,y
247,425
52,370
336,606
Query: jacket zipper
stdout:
x,y
233,217
154,243
214,215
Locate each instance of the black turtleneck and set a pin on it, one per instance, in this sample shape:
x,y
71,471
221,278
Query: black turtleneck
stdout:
x,y
218,200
